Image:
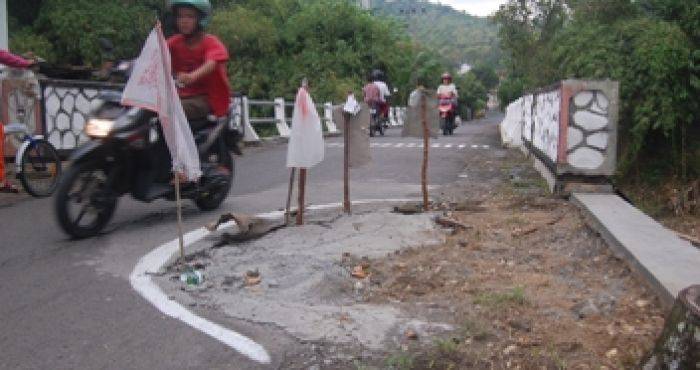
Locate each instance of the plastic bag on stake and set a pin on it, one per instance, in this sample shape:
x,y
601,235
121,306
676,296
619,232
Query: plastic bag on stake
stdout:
x,y
306,148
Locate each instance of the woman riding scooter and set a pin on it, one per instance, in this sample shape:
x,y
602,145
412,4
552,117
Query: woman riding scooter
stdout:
x,y
447,99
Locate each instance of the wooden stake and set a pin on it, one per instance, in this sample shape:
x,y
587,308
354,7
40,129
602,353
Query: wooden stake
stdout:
x,y
302,190
179,218
288,208
426,143
346,167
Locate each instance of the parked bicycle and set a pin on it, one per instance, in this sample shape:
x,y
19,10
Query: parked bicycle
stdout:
x,y
37,164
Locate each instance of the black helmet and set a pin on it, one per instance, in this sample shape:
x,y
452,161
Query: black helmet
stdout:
x,y
377,75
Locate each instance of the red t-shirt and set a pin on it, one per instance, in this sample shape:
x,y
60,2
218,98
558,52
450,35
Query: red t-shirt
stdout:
x,y
215,85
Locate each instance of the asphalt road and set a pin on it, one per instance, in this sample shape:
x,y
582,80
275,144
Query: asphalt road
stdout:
x,y
68,304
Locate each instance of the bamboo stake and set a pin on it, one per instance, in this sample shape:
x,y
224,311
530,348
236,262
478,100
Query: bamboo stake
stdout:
x,y
288,208
302,190
346,167
179,218
426,143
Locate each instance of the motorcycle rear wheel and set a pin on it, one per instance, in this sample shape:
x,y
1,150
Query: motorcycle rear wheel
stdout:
x,y
84,185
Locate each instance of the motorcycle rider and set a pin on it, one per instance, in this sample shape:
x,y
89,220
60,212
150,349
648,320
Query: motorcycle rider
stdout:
x,y
384,93
371,93
447,88
199,62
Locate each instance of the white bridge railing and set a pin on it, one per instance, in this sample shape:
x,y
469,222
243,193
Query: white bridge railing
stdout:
x,y
243,116
58,109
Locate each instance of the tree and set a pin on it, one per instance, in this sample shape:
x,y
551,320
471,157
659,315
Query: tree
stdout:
x,y
73,27
486,74
472,92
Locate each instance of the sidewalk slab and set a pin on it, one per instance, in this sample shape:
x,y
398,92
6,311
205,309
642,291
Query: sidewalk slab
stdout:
x,y
668,262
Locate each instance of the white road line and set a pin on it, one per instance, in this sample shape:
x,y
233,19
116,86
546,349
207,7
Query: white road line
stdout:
x,y
140,280
411,145
435,146
462,146
373,145
398,145
142,283
448,146
485,146
475,146
386,145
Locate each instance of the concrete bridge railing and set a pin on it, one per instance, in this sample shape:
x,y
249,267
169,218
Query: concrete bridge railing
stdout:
x,y
571,131
242,113
62,107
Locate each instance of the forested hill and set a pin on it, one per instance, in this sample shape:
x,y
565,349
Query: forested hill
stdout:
x,y
459,37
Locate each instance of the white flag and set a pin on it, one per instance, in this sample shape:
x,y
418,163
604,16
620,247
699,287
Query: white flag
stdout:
x,y
306,147
151,86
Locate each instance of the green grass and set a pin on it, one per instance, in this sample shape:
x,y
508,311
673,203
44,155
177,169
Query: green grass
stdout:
x,y
514,296
400,361
474,330
446,346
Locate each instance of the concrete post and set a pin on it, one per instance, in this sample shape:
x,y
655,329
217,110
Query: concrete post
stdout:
x,y
328,118
281,118
392,117
249,134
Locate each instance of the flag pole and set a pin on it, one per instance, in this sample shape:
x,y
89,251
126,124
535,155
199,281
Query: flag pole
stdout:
x,y
426,143
288,208
302,190
179,217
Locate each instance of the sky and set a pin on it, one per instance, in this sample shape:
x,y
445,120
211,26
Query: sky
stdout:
x,y
475,7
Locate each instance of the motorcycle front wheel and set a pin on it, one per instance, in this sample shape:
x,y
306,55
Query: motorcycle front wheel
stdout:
x,y
222,160
84,204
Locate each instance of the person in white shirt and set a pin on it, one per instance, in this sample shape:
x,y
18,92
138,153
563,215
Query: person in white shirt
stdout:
x,y
447,87
384,93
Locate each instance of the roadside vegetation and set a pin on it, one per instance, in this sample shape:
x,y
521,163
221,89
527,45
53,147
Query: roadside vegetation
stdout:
x,y
651,47
273,43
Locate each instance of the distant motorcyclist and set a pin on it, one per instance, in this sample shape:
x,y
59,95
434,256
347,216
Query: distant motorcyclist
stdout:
x,y
447,104
447,88
384,93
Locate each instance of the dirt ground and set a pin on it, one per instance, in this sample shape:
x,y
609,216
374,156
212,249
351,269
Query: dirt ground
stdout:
x,y
528,284
521,282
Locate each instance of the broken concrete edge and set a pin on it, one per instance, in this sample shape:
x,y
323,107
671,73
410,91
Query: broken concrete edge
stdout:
x,y
155,260
566,186
620,251
271,140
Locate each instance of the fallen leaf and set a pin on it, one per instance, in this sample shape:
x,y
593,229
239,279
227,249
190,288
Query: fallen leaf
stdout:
x,y
410,334
518,232
359,272
611,353
252,277
510,349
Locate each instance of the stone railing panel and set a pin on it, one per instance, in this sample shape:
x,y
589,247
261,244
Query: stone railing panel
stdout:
x,y
571,128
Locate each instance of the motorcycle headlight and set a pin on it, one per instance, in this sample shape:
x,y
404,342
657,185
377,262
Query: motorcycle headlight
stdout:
x,y
97,127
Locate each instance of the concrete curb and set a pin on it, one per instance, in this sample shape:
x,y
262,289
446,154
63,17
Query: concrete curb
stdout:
x,y
155,260
658,255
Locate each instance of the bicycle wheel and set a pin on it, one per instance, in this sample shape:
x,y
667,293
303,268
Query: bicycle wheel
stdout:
x,y
40,168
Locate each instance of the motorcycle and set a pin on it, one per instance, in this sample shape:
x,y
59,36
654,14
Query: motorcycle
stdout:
x,y
446,108
127,154
377,122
